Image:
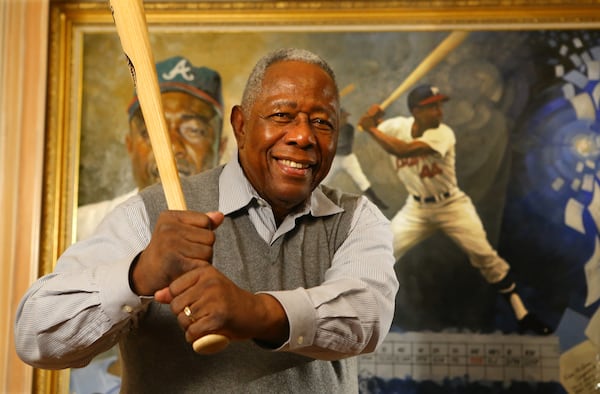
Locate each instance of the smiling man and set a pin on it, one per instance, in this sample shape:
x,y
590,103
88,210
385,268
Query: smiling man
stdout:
x,y
299,276
295,149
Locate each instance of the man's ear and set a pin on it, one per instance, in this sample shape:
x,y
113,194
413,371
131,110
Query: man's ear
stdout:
x,y
237,123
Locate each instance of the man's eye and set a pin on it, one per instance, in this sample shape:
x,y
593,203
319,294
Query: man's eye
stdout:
x,y
195,130
194,133
143,132
281,117
322,124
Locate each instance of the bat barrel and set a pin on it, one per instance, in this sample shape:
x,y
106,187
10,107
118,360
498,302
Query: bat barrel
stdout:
x,y
438,54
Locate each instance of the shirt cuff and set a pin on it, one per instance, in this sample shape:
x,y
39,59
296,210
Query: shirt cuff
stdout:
x,y
301,315
116,297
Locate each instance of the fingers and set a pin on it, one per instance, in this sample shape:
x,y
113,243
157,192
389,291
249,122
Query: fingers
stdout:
x,y
196,277
192,232
234,313
203,300
208,220
371,118
197,324
180,252
200,328
193,287
198,301
186,317
367,122
375,111
181,241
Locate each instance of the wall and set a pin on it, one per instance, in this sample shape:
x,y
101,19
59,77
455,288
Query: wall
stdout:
x,y
23,50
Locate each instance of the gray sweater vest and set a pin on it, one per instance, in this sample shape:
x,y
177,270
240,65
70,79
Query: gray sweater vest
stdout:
x,y
157,359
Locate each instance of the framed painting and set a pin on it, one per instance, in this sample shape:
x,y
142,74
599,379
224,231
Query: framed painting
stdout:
x,y
524,94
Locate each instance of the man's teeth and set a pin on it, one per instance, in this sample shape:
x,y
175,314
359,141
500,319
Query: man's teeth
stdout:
x,y
293,164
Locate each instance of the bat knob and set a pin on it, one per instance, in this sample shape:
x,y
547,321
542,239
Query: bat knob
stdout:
x,y
210,344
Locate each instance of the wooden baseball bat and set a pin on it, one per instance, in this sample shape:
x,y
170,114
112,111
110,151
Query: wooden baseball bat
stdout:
x,y
132,29
440,52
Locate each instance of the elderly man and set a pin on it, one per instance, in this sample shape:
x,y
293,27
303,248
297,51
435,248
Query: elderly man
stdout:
x,y
299,276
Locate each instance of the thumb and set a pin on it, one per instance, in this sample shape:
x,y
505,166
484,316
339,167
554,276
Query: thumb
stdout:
x,y
163,296
216,218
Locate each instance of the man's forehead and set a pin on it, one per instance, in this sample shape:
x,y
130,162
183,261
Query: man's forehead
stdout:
x,y
289,69
286,74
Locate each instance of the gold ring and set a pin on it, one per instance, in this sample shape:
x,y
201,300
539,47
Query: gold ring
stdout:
x,y
188,312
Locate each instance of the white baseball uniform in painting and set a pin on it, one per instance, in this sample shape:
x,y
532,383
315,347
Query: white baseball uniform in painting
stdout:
x,y
423,154
435,201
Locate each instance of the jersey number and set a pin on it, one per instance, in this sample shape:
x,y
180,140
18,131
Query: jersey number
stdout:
x,y
430,171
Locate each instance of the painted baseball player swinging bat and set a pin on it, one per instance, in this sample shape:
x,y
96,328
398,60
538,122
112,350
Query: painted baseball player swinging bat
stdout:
x,y
130,21
422,150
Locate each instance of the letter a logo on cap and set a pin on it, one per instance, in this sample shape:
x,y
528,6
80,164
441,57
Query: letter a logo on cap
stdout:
x,y
181,68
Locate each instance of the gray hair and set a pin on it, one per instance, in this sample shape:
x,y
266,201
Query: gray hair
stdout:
x,y
255,80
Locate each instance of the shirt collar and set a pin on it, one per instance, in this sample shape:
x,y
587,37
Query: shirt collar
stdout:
x,y
236,192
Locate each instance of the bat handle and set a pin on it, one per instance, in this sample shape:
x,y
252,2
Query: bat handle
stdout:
x,y
210,344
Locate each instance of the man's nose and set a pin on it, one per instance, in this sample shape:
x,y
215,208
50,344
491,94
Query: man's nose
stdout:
x,y
300,131
177,142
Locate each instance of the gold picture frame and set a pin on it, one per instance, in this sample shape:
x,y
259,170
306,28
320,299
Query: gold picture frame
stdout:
x,y
71,21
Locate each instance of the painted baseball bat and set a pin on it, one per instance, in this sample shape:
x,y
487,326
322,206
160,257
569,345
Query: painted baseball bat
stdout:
x,y
132,28
347,90
439,53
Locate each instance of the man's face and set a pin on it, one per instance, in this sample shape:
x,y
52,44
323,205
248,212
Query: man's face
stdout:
x,y
429,116
287,144
193,126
